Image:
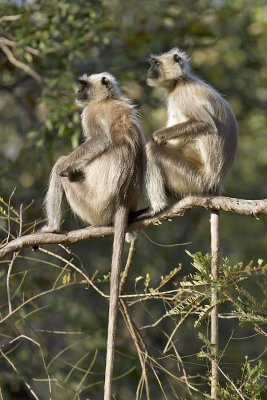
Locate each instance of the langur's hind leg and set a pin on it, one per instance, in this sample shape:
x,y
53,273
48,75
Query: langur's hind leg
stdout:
x,y
53,200
155,185
184,173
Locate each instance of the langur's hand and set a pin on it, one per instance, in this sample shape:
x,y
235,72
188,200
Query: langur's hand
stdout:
x,y
159,137
62,169
65,169
73,172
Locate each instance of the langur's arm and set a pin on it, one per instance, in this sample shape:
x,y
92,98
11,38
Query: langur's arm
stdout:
x,y
83,155
189,129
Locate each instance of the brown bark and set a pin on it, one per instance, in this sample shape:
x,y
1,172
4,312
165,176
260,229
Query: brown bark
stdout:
x,y
255,208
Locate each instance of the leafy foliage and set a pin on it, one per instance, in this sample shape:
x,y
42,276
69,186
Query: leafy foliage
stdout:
x,y
249,386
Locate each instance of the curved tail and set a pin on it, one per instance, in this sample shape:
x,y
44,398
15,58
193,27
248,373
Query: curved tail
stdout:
x,y
120,224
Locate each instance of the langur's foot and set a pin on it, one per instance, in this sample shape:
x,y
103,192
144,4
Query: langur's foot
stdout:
x,y
140,215
46,229
49,229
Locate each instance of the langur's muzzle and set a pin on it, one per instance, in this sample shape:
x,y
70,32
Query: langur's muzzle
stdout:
x,y
153,73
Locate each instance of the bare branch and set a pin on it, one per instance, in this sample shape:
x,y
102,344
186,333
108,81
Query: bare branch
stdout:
x,y
19,64
125,273
132,327
10,17
254,208
8,42
214,337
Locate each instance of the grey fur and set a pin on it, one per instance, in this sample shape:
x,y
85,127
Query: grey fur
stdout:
x,y
108,165
195,152
103,178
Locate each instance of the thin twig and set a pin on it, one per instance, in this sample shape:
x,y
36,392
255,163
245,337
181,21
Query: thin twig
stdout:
x,y
197,300
33,298
181,363
232,383
139,343
134,331
69,263
42,356
8,215
75,367
8,283
87,372
165,245
129,262
15,369
20,219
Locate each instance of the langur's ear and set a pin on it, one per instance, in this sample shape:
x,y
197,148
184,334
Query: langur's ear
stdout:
x,y
105,81
178,59
82,82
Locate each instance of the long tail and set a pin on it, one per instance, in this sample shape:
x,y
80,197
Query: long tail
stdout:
x,y
121,220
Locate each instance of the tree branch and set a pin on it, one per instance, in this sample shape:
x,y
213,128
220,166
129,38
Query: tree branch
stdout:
x,y
19,64
254,208
10,17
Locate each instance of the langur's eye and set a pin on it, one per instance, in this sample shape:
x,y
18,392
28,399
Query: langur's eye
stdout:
x,y
154,61
82,83
177,59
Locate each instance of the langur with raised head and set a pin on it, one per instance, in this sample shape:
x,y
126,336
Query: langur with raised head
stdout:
x,y
102,178
193,154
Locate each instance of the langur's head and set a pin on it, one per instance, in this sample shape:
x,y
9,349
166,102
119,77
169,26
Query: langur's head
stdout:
x,y
167,68
97,87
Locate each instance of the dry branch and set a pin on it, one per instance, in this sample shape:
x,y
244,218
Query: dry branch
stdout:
x,y
134,331
214,338
10,17
17,63
255,208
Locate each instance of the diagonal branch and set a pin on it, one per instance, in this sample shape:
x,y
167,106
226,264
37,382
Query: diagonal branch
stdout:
x,y
18,64
10,17
254,208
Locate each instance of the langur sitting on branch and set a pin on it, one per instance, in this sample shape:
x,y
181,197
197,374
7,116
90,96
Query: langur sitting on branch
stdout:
x,y
193,154
102,178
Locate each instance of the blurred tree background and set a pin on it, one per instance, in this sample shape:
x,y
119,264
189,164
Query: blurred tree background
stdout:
x,y
44,46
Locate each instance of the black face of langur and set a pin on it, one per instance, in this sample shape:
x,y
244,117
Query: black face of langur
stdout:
x,y
154,70
82,93
166,69
97,87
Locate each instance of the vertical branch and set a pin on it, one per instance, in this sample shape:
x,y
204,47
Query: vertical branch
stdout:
x,y
8,282
129,262
215,246
134,331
